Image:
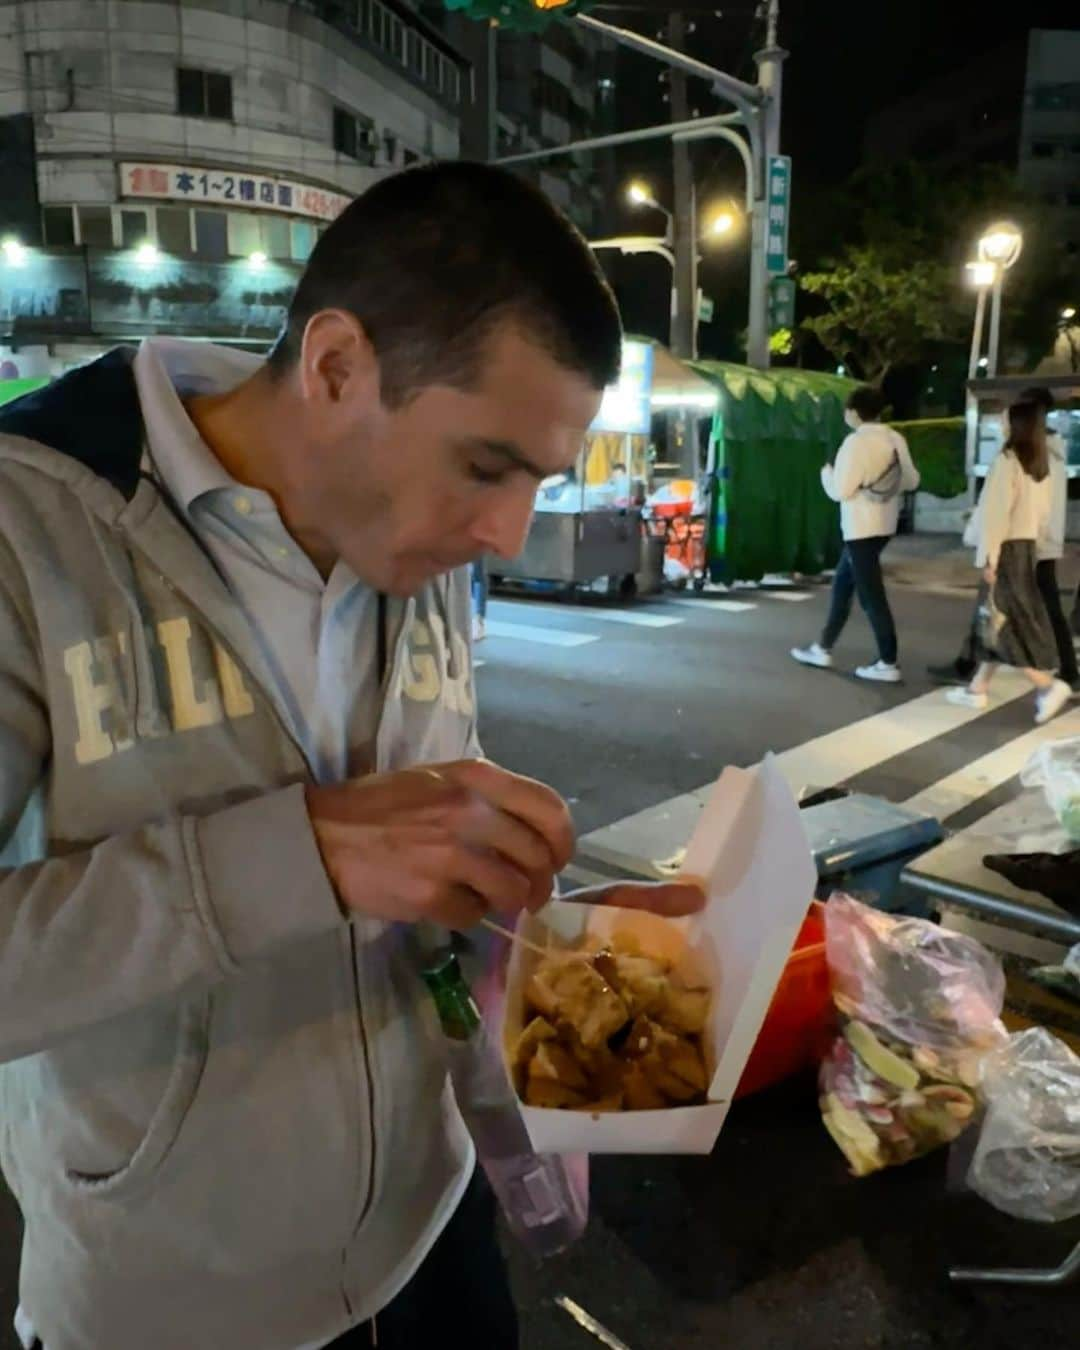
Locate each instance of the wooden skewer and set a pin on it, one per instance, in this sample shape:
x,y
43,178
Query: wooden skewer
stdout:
x,y
515,937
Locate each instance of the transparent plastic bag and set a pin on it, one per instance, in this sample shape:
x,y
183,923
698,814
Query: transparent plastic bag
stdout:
x,y
1027,1162
1055,768
920,1007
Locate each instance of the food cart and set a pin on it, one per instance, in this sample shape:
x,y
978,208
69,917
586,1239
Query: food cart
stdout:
x,y
588,523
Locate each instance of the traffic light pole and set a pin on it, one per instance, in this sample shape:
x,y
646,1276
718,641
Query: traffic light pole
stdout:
x,y
757,108
770,63
684,216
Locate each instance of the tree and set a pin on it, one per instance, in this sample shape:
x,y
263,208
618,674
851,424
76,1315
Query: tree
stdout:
x,y
896,292
881,312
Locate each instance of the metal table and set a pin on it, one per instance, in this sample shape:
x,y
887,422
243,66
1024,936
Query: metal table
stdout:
x,y
953,876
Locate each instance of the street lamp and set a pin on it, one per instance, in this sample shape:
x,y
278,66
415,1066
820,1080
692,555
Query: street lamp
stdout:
x,y
14,252
982,276
721,225
146,255
1069,313
1000,245
640,194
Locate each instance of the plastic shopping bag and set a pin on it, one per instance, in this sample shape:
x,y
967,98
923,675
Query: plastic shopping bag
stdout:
x,y
920,1007
1056,769
1028,1159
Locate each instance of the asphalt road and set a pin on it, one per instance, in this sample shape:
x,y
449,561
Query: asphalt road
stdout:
x,y
767,1244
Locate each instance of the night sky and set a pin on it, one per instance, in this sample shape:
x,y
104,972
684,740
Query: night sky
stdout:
x,y
847,59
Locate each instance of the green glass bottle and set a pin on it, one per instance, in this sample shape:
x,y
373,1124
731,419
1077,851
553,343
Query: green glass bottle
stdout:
x,y
458,1013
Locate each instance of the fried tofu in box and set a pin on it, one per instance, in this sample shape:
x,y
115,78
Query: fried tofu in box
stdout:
x,y
612,1029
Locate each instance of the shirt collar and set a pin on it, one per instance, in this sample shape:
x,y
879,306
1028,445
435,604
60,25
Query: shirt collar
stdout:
x,y
167,370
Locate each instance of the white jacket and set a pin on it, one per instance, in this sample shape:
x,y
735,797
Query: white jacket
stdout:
x,y
1012,506
873,462
1052,541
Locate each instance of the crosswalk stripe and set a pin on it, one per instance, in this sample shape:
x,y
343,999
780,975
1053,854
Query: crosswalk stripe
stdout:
x,y
839,755
792,597
546,637
703,606
632,618
636,841
958,790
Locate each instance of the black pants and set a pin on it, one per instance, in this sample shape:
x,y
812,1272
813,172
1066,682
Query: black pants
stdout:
x,y
859,573
1046,576
460,1294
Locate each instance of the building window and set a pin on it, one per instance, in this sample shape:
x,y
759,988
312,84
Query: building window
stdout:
x,y
173,229
303,240
58,225
354,136
277,240
203,93
395,38
96,226
134,228
245,237
416,54
212,235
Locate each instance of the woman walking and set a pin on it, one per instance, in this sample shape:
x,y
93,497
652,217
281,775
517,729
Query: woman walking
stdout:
x,y
872,472
1013,516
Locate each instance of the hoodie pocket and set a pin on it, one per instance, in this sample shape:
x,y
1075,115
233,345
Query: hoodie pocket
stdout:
x,y
181,1089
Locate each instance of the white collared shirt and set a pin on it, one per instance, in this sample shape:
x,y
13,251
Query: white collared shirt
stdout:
x,y
319,638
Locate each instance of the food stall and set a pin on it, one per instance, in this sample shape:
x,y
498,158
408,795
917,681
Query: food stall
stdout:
x,y
588,522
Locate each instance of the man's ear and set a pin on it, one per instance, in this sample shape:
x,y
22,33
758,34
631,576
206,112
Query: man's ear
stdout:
x,y
337,359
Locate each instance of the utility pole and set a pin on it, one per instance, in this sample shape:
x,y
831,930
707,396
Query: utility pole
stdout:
x,y
684,224
770,64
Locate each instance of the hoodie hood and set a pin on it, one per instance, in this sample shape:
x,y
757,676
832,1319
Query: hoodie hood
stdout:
x,y
91,414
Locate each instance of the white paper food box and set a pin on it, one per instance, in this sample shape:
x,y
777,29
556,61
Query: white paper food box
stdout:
x,y
751,849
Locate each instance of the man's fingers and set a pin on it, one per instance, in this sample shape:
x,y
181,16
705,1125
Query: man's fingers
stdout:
x,y
534,803
485,826
498,885
672,899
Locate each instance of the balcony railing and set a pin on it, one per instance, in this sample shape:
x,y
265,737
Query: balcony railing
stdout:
x,y
112,294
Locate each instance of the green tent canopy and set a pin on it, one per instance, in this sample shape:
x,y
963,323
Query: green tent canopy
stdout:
x,y
772,432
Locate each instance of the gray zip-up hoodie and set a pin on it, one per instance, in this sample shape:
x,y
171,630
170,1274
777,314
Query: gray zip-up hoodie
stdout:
x,y
224,1109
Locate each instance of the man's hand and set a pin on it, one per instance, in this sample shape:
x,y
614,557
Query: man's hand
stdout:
x,y
672,899
447,843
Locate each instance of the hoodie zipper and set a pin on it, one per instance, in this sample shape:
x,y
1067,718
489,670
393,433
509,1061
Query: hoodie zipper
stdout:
x,y
286,731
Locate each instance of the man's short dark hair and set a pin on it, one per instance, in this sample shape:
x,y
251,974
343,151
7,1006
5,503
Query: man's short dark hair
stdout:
x,y
868,402
431,260
1040,396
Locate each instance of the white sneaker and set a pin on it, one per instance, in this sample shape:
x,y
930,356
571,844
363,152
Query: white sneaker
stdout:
x,y
814,655
880,671
479,628
1051,702
967,698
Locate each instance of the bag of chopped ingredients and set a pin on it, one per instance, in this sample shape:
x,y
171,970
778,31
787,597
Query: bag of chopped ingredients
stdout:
x,y
919,1008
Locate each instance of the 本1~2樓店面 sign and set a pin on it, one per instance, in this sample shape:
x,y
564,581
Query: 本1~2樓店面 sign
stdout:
x,y
231,188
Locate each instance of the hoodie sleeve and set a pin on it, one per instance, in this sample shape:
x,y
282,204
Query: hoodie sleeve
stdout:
x,y
995,509
95,933
843,480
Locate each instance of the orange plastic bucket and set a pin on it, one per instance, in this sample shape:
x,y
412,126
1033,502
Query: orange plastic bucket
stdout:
x,y
797,1027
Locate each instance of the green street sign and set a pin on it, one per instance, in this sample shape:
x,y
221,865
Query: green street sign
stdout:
x,y
781,303
778,205
706,307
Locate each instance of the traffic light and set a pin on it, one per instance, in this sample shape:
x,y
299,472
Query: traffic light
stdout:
x,y
521,16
